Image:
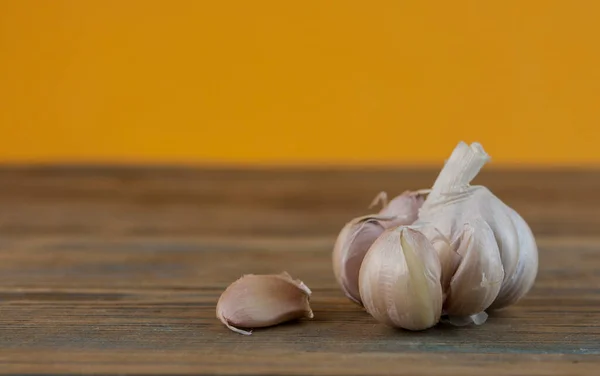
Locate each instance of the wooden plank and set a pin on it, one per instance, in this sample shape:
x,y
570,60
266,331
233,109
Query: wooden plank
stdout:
x,y
296,362
118,271
288,203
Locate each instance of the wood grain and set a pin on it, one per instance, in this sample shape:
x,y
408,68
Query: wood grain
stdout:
x,y
113,271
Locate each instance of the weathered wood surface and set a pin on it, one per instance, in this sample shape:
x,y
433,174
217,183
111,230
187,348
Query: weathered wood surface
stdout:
x,y
118,271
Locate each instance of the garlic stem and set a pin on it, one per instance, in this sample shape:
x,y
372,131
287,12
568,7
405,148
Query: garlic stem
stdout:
x,y
462,167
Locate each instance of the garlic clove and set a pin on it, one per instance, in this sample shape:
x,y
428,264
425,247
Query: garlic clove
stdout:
x,y
478,279
505,231
522,278
350,248
404,208
399,280
256,301
358,235
449,258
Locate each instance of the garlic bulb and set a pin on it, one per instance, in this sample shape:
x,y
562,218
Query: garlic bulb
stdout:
x,y
358,235
400,280
255,301
488,254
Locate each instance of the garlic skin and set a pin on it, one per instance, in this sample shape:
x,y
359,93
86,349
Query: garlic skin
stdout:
x,y
400,280
358,235
487,251
478,319
256,301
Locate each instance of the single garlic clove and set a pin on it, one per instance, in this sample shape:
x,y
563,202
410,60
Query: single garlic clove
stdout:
x,y
350,248
505,231
478,278
449,258
358,235
400,280
518,284
256,301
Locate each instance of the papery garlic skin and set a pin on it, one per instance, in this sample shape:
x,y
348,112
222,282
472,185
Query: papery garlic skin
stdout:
x,y
256,301
478,319
399,280
358,235
455,212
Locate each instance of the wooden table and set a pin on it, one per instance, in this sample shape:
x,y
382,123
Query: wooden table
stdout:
x,y
118,271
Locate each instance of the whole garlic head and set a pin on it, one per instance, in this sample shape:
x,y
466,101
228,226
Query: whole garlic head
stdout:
x,y
358,235
487,251
400,280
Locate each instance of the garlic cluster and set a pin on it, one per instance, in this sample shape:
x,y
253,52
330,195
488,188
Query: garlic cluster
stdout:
x,y
459,253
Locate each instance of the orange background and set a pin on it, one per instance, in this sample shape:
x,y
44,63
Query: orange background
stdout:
x,y
311,82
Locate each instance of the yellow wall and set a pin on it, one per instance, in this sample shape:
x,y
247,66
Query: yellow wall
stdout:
x,y
272,82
